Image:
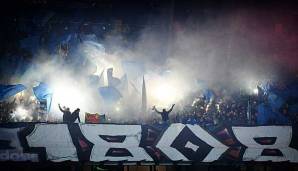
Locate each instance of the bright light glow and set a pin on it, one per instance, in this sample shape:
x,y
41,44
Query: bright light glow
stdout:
x,y
32,98
19,96
251,85
21,113
68,95
255,91
166,89
164,94
117,109
72,93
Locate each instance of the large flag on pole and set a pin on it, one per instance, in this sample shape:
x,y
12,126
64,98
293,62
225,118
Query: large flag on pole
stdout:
x,y
112,81
101,79
7,91
144,97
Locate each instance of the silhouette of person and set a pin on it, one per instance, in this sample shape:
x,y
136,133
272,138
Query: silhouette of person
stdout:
x,y
75,115
66,113
164,114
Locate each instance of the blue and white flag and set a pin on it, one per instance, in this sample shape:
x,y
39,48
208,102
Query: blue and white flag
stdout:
x,y
7,91
44,93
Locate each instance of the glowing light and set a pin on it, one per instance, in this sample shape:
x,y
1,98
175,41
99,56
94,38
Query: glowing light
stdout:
x,y
32,98
21,113
68,95
19,96
164,94
251,85
117,109
255,91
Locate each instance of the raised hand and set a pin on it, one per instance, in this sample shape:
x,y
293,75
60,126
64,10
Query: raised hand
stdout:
x,y
153,107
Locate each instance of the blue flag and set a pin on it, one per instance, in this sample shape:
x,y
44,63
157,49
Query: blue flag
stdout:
x,y
112,81
93,80
7,91
44,93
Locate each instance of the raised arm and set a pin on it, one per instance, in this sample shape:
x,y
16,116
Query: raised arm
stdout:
x,y
154,108
60,108
171,108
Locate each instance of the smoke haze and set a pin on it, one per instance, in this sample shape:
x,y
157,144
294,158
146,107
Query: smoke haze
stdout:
x,y
232,49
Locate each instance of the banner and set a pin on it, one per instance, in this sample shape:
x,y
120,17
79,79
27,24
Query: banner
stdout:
x,y
94,118
177,143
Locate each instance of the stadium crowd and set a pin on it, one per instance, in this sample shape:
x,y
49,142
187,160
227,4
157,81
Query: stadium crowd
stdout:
x,y
271,104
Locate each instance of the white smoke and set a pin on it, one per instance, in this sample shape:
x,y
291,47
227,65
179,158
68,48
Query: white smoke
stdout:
x,y
216,52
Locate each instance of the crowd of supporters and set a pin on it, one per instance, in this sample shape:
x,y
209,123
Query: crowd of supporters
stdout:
x,y
235,109
219,111
210,107
274,104
19,109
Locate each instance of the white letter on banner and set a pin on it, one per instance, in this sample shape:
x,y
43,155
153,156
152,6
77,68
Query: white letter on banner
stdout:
x,y
56,139
164,144
254,150
131,142
218,147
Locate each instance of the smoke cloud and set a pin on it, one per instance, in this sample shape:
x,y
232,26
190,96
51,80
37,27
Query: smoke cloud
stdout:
x,y
223,50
